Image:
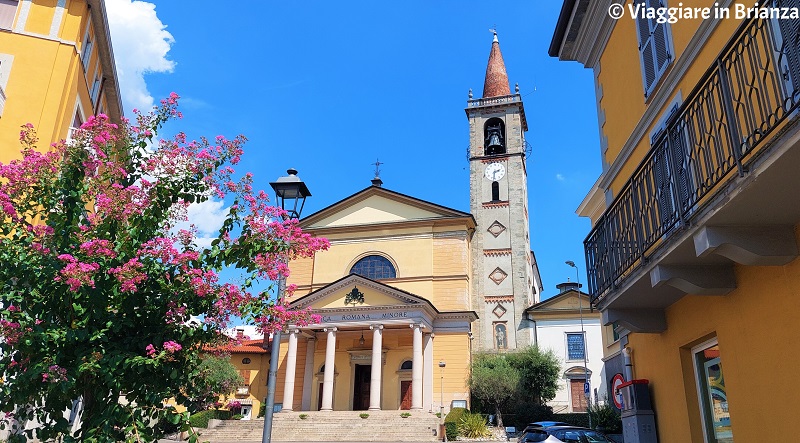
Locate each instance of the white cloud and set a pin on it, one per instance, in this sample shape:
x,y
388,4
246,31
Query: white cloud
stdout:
x,y
207,217
560,177
141,43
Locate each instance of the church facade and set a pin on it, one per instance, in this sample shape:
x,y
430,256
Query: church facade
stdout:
x,y
409,289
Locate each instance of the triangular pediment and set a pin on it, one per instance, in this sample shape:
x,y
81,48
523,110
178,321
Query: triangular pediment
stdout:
x,y
376,205
568,301
357,291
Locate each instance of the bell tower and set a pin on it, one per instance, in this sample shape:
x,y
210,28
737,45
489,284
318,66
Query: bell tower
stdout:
x,y
503,277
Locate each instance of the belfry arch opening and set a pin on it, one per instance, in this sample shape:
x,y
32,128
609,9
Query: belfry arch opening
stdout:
x,y
494,137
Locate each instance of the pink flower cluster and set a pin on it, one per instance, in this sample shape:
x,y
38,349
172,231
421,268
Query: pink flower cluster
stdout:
x,y
54,374
129,275
170,347
76,274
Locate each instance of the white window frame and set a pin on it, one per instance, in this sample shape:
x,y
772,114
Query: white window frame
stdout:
x,y
698,386
566,347
5,69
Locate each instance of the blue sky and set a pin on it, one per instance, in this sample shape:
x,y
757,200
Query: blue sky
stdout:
x,y
329,87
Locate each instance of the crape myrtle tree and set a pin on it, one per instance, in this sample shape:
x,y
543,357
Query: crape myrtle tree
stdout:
x,y
98,285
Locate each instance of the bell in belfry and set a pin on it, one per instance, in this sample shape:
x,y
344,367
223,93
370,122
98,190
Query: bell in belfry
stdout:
x,y
494,140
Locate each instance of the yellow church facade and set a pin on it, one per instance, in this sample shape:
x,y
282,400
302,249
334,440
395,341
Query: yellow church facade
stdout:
x,y
56,69
393,295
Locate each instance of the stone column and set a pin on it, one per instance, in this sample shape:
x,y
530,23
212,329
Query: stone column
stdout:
x,y
416,369
308,374
291,366
427,372
327,379
377,366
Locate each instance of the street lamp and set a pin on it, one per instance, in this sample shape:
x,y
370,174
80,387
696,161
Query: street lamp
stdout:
x,y
583,334
289,192
442,364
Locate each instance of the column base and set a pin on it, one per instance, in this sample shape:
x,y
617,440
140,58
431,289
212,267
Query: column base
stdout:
x,y
326,410
374,409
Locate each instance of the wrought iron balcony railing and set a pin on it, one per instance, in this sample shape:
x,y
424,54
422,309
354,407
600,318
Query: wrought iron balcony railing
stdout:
x,y
751,88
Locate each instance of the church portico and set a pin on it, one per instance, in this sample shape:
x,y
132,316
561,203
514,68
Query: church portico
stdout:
x,y
365,357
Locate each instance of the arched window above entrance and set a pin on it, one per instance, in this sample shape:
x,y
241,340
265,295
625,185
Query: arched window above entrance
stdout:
x,y
407,365
375,267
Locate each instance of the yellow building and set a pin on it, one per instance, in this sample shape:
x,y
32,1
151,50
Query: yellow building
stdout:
x,y
56,69
409,288
393,293
692,259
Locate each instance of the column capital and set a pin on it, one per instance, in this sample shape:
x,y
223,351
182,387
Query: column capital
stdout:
x,y
378,327
416,325
293,330
432,335
331,329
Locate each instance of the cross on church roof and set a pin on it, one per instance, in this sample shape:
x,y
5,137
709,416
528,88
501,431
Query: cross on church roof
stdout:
x,y
377,180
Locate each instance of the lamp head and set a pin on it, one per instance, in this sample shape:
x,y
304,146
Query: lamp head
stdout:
x,y
290,192
442,364
570,263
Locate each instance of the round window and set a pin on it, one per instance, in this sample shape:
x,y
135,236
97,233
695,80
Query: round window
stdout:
x,y
245,361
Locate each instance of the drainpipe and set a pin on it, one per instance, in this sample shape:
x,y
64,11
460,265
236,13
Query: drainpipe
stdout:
x,y
626,358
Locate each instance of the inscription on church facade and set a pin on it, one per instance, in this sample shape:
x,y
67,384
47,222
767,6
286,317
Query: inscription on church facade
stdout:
x,y
370,316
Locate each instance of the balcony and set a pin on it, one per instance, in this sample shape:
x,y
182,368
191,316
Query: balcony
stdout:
x,y
719,186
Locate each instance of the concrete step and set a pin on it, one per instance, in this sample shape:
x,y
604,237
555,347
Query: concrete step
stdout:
x,y
331,426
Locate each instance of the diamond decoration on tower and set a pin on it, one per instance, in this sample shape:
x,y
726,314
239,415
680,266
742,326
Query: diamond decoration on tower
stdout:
x,y
496,228
498,275
499,310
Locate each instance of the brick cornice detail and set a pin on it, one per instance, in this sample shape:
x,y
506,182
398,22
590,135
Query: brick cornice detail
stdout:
x,y
502,204
498,298
494,160
496,252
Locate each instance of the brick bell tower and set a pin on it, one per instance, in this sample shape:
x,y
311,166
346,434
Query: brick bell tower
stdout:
x,y
504,282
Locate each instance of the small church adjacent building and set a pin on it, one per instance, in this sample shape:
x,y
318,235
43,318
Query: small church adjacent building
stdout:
x,y
410,289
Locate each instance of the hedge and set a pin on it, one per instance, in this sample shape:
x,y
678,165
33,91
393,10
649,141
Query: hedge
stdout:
x,y
451,421
200,419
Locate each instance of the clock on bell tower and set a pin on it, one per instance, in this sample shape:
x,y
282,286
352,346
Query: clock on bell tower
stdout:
x,y
505,278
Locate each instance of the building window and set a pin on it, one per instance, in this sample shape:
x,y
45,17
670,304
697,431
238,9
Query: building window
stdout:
x,y
495,191
375,267
8,9
654,45
95,89
576,348
712,394
500,336
86,48
407,365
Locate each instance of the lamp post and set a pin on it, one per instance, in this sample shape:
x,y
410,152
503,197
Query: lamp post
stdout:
x,y
442,364
587,392
289,192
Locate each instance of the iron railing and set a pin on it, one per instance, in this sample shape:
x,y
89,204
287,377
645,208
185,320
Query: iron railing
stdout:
x,y
738,102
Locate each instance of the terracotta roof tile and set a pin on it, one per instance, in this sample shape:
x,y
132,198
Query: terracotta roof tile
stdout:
x,y
243,347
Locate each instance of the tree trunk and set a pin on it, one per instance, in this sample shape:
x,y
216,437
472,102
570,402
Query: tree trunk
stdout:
x,y
499,416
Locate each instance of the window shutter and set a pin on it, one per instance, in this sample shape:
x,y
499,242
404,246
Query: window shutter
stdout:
x,y
661,50
654,47
790,36
8,9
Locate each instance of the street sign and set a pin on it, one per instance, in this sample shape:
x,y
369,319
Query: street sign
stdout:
x,y
586,388
615,382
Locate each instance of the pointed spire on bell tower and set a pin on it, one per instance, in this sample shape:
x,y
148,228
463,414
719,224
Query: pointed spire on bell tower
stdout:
x,y
496,83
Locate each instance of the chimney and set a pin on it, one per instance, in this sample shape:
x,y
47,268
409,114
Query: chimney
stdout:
x,y
239,334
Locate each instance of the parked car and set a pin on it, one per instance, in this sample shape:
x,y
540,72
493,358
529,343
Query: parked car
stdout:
x,y
537,436
544,424
575,434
